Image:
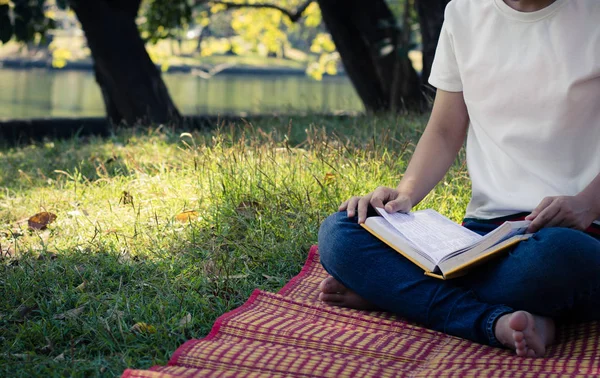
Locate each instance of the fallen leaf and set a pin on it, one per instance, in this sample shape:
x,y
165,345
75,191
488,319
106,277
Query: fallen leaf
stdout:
x,y
71,314
187,216
329,178
60,357
142,327
126,198
41,220
186,320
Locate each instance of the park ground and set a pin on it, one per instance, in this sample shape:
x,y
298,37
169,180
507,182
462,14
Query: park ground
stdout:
x,y
158,232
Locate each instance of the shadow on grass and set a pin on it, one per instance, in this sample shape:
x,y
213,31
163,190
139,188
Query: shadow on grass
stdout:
x,y
91,158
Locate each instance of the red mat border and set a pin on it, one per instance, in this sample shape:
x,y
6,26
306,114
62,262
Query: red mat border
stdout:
x,y
303,272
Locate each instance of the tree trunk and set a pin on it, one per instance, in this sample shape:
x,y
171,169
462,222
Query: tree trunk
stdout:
x,y
131,85
431,18
370,49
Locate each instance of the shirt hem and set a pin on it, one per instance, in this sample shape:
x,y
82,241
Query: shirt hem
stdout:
x,y
444,85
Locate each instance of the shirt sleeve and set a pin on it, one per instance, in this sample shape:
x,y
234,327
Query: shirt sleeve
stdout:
x,y
444,70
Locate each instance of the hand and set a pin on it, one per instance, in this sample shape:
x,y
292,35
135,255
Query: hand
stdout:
x,y
392,200
564,211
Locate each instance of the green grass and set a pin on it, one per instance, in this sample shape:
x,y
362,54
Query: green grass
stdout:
x,y
260,192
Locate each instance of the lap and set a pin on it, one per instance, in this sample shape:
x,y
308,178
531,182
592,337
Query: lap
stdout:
x,y
554,273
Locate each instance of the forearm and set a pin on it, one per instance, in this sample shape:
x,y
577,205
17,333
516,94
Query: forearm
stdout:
x,y
591,194
431,160
438,147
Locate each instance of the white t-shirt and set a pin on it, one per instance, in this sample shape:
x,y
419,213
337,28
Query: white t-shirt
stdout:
x,y
531,83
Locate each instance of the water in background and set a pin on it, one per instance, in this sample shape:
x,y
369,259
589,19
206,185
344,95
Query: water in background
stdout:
x,y
44,93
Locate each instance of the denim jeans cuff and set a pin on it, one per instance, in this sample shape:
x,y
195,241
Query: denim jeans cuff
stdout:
x,y
491,322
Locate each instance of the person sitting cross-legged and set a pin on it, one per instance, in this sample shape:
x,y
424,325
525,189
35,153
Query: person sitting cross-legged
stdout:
x,y
520,80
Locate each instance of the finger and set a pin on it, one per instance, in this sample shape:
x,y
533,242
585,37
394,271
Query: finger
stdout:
x,y
344,205
363,207
398,205
543,204
377,199
559,220
545,216
351,209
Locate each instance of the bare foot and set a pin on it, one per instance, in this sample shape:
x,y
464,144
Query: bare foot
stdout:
x,y
334,293
528,335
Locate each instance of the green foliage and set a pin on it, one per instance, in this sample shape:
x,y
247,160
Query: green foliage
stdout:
x,y
242,31
163,18
73,294
23,19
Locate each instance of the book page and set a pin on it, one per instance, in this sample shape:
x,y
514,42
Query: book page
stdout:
x,y
431,232
505,231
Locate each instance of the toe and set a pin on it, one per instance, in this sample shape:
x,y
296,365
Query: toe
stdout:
x,y
521,352
518,336
518,321
332,298
331,285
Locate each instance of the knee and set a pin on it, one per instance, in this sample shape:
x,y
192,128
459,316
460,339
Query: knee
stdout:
x,y
565,248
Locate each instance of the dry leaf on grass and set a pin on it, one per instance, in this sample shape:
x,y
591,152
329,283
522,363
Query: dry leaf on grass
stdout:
x,y
186,320
142,327
329,178
187,216
71,314
41,220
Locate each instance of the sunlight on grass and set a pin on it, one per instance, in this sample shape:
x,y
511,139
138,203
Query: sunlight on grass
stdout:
x,y
119,255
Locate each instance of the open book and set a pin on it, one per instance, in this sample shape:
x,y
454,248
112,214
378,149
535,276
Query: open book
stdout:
x,y
442,248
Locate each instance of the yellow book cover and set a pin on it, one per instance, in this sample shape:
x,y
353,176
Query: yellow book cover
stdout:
x,y
442,248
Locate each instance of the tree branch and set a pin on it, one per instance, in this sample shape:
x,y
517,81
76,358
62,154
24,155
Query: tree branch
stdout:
x,y
293,16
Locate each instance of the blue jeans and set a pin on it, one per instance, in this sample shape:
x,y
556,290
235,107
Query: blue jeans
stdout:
x,y
556,273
